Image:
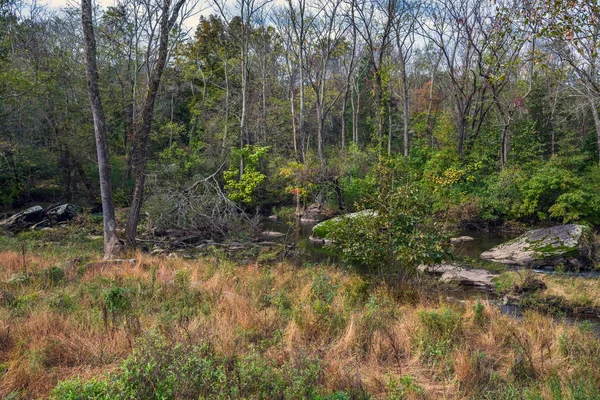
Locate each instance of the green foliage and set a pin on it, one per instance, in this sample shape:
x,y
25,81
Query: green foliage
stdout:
x,y
440,332
240,186
117,300
53,275
186,159
404,387
479,310
62,303
78,389
395,236
159,370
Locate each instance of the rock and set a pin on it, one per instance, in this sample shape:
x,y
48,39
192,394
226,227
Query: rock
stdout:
x,y
461,239
272,234
323,229
60,213
568,245
319,241
37,218
23,219
463,276
529,284
313,213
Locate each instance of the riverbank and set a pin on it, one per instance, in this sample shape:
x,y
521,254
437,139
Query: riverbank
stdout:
x,y
175,327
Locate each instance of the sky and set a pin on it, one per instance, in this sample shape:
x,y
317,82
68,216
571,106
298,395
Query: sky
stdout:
x,y
190,23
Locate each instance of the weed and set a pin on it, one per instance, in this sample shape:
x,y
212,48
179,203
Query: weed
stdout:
x,y
440,331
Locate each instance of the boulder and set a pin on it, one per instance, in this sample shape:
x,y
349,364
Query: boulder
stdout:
x,y
313,213
55,215
323,229
37,218
460,239
24,219
467,277
272,234
567,245
60,213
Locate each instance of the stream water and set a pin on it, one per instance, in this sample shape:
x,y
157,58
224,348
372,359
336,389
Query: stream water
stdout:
x,y
482,241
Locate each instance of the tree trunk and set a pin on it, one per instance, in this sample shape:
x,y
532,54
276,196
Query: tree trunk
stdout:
x,y
389,109
293,111
406,111
320,126
225,65
142,134
504,147
596,123
111,243
356,117
343,122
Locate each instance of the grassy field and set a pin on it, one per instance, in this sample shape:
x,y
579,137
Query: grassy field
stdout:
x,y
74,327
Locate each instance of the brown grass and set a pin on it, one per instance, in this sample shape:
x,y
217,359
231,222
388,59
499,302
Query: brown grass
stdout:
x,y
362,344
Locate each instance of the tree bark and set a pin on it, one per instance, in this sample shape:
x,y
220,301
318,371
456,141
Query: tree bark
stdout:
x,y
111,243
594,108
405,100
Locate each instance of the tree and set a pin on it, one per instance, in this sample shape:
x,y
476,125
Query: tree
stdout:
x,y
111,242
375,26
168,15
326,37
452,26
405,30
574,27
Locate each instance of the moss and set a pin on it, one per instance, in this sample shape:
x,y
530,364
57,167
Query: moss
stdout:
x,y
323,229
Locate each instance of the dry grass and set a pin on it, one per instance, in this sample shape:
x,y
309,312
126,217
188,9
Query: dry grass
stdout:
x,y
364,336
574,292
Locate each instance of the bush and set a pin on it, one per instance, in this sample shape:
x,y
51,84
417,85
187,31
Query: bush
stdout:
x,y
77,389
554,191
395,237
159,370
440,332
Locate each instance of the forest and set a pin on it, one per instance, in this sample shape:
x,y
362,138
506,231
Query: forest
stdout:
x,y
328,199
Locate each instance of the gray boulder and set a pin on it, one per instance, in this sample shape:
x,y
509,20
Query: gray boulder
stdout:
x,y
568,245
36,217
54,215
24,219
479,278
313,213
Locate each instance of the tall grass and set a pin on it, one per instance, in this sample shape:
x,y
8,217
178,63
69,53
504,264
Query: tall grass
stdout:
x,y
178,328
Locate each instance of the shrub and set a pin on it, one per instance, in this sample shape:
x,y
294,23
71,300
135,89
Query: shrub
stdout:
x,y
440,332
159,370
395,237
78,389
240,186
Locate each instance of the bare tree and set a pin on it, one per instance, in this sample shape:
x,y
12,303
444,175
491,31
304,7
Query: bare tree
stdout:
x,y
167,16
451,26
246,11
325,37
297,15
349,65
111,243
405,30
575,29
375,22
